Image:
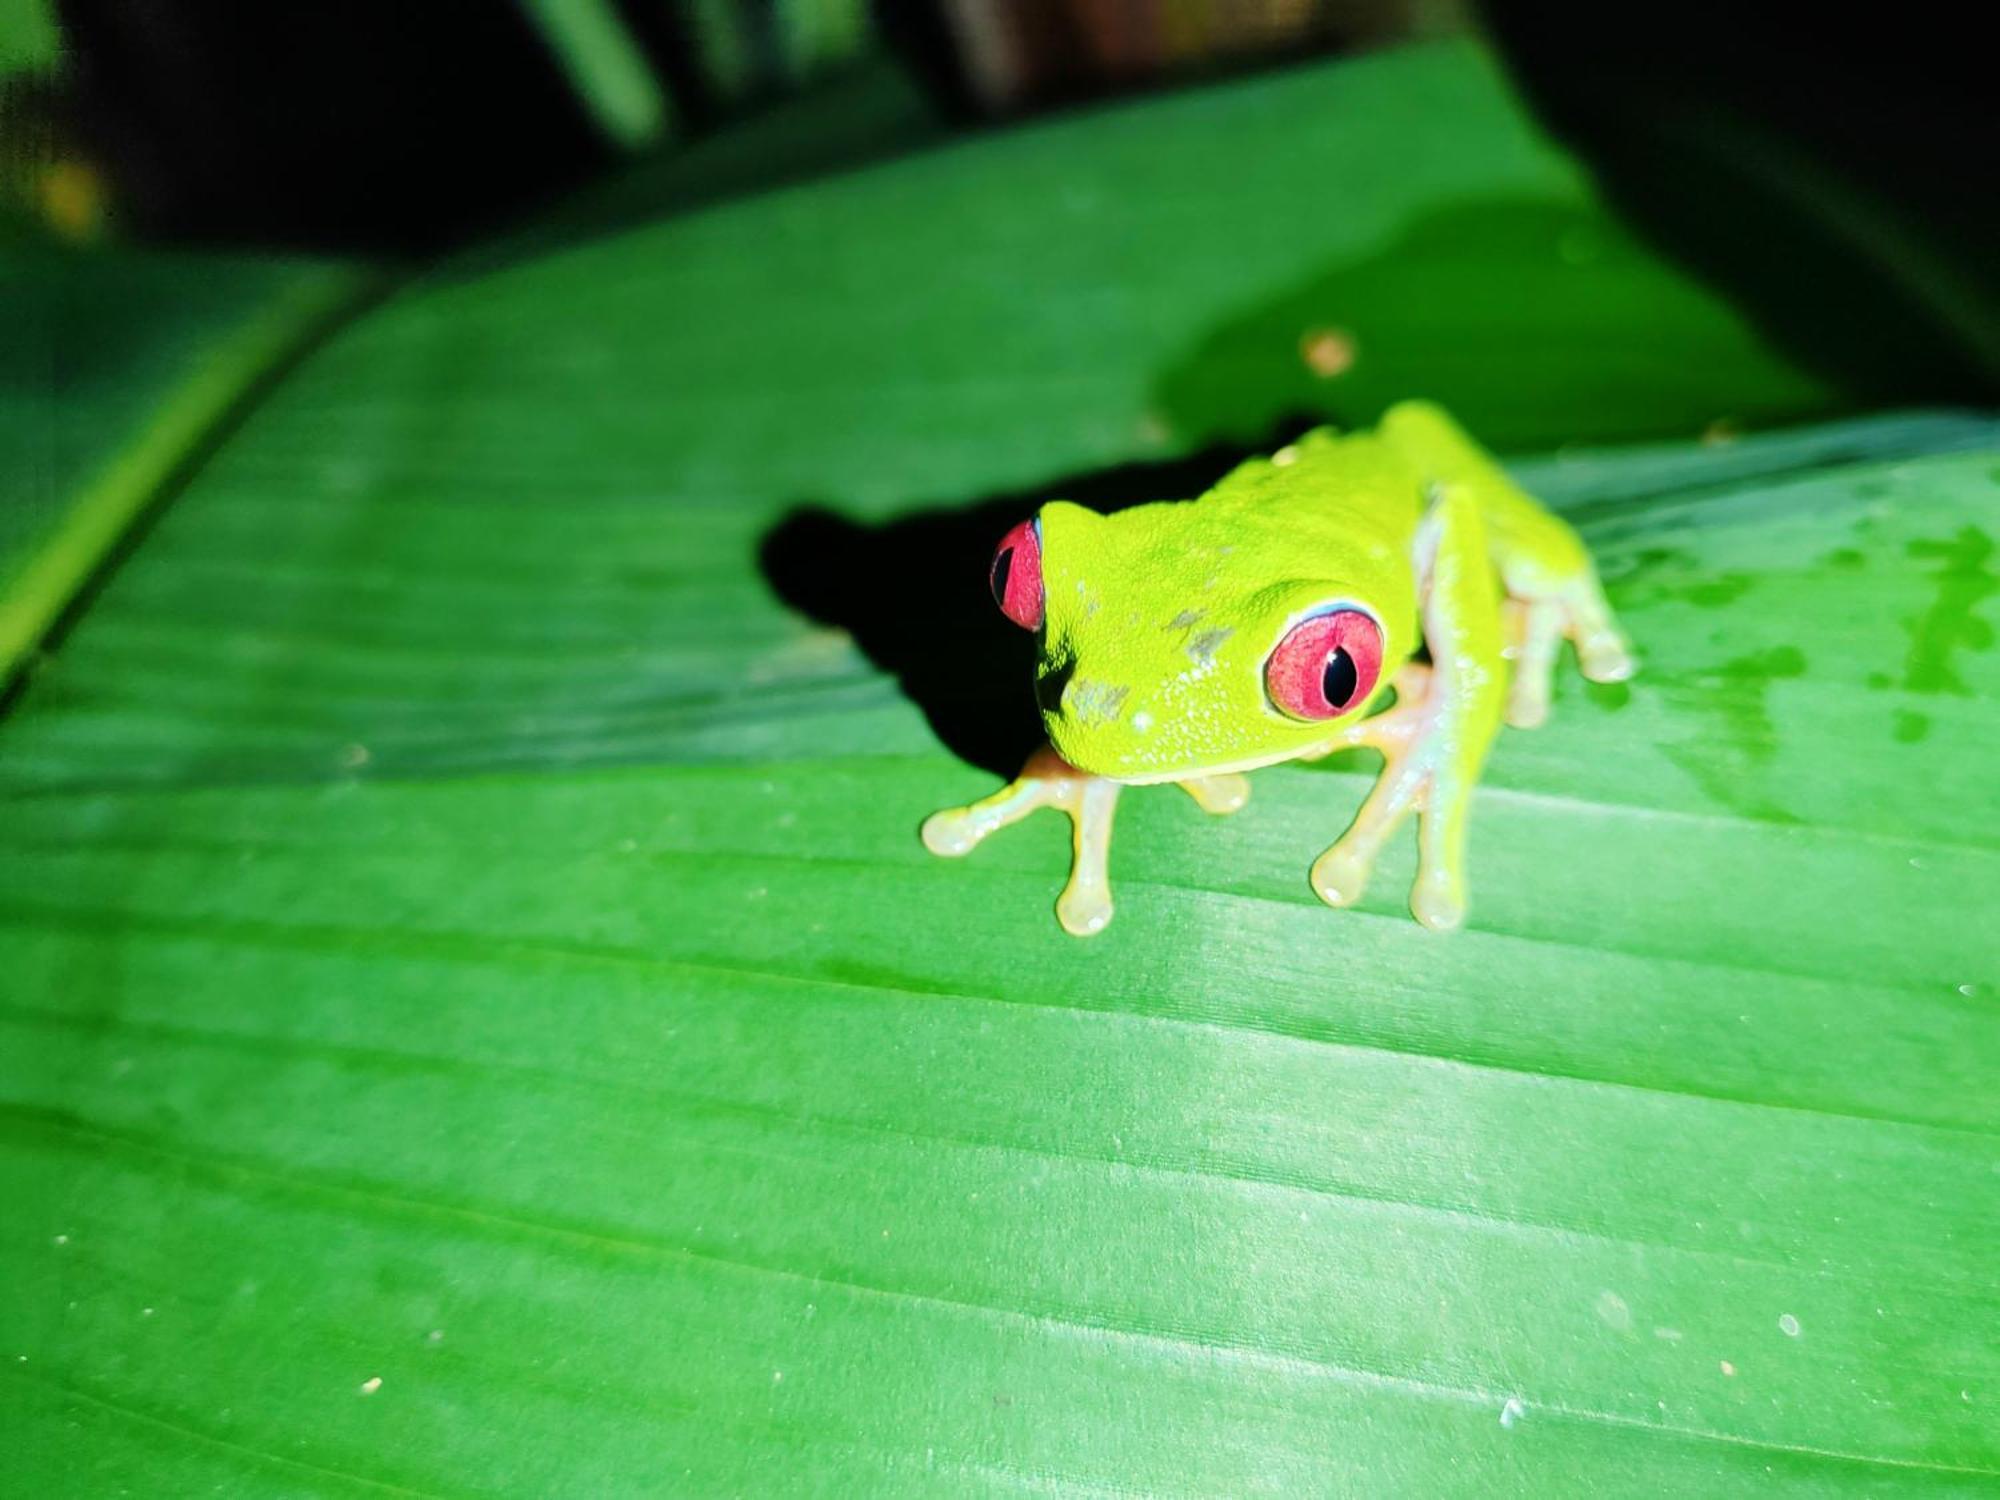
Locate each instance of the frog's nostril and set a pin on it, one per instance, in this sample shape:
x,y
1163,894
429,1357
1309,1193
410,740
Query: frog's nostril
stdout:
x,y
1049,686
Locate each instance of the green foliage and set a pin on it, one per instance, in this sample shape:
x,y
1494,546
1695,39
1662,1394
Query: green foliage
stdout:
x,y
478,1018
29,39
116,371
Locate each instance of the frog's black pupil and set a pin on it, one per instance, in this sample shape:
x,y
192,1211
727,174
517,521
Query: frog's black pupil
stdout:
x,y
1002,566
1339,680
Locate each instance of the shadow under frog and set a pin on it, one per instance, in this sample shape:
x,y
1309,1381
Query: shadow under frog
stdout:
x,y
913,593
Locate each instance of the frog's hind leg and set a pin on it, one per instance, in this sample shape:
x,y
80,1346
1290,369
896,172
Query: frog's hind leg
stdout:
x,y
1552,589
1047,780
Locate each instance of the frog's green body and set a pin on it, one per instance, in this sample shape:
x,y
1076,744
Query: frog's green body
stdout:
x,y
1160,626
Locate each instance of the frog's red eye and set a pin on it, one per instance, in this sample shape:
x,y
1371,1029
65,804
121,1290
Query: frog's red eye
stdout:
x,y
1017,576
1325,665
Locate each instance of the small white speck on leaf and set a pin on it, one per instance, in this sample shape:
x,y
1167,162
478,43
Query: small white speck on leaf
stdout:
x,y
1728,1368
1671,1335
62,1239
1788,1326
353,756
777,1377
371,1385
1968,990
145,1312
435,1336
1612,1309
1512,1412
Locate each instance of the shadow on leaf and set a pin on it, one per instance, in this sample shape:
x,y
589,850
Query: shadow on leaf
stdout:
x,y
913,593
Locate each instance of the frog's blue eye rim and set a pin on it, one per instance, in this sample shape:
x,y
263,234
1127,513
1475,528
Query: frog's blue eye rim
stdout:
x,y
1015,575
1326,664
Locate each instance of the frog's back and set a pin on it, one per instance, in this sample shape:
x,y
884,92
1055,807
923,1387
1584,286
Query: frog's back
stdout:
x,y
1354,488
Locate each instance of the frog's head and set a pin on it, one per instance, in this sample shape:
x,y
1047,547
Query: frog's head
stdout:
x,y
1173,643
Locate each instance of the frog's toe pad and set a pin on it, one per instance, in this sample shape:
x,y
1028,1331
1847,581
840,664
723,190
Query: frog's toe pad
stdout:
x,y
1606,661
949,833
1220,794
1437,905
1339,878
1527,707
1084,912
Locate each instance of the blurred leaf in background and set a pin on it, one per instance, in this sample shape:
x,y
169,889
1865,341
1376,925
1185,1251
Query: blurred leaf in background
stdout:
x,y
118,371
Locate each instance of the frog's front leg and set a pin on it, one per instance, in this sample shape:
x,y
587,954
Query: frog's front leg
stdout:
x,y
1089,802
1436,737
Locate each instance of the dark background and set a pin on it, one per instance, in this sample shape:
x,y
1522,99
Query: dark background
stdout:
x,y
1820,165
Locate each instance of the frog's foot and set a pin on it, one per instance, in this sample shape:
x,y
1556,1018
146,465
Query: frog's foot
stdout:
x,y
1426,773
1047,780
1536,627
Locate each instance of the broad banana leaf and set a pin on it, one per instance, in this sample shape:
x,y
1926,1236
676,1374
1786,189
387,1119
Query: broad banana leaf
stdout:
x,y
476,1018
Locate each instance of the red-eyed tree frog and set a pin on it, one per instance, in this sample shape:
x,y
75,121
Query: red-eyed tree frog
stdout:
x,y
1191,641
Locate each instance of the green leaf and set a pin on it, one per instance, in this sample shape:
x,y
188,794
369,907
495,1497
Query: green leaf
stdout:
x,y
478,1018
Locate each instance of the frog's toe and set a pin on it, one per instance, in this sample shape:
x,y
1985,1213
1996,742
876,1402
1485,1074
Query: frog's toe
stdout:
x,y
1438,902
1605,657
1534,632
1601,648
1528,698
1084,911
959,830
1527,710
1437,899
949,833
1339,877
1084,907
1221,794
